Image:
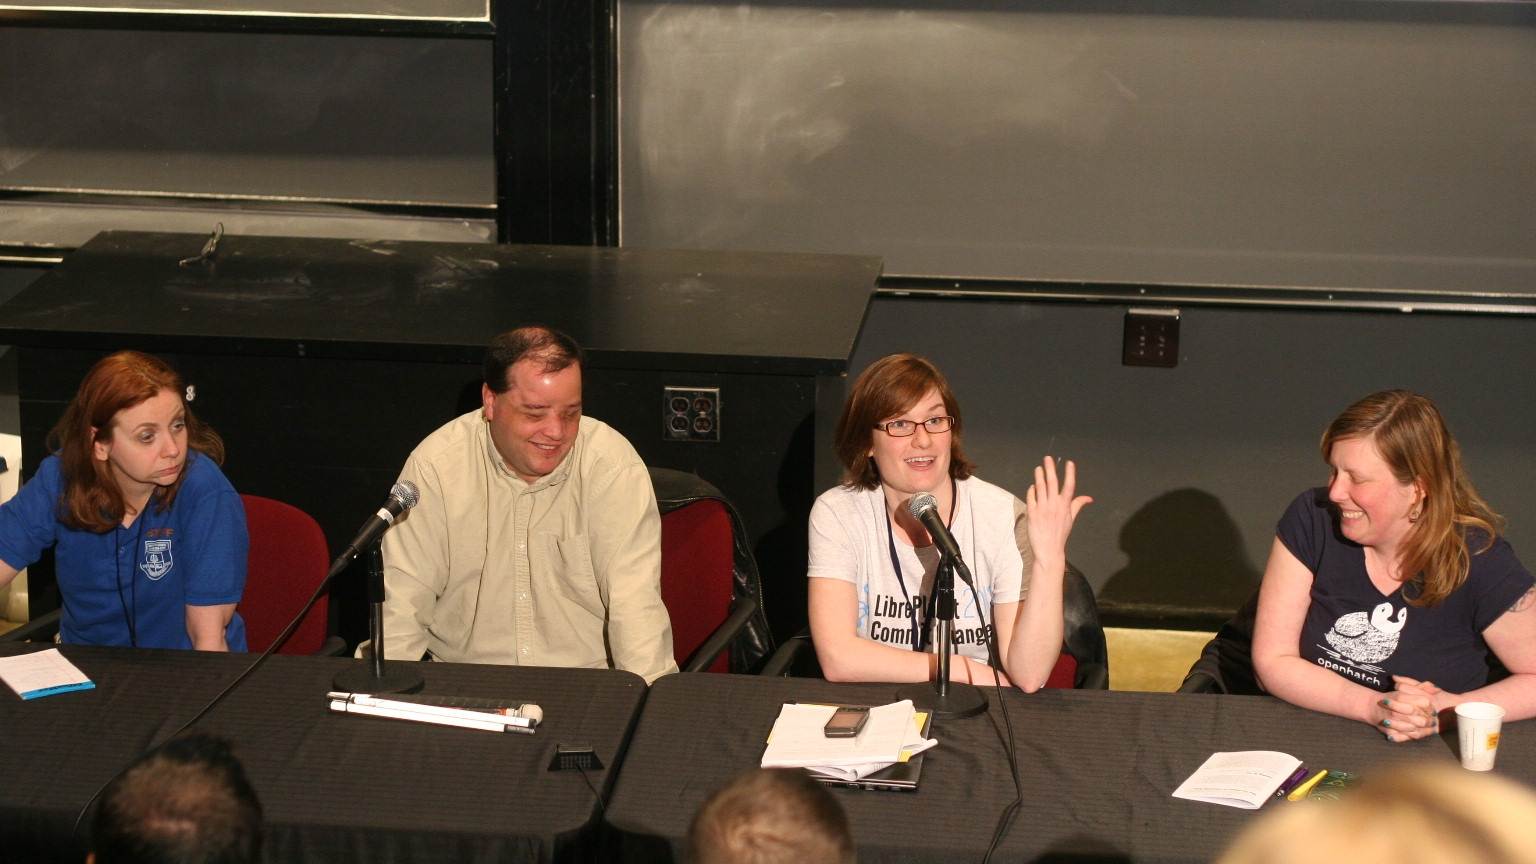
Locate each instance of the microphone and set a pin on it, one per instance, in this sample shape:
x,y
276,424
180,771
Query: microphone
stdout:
x,y
402,497
925,508
942,697
377,677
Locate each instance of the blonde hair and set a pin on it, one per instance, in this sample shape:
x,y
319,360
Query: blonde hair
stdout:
x,y
1412,438
1422,814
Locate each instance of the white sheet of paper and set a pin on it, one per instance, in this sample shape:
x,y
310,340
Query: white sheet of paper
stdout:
x,y
797,740
42,673
1245,778
914,745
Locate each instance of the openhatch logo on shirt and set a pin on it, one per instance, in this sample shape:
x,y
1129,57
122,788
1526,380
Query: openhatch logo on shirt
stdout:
x,y
1362,641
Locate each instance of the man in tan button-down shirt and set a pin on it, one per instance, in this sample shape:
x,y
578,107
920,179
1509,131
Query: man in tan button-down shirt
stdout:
x,y
537,541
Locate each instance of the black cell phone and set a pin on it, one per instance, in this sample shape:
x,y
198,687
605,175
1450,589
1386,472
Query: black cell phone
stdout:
x,y
846,721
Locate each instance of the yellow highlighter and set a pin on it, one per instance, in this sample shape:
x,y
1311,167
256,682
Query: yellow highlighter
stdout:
x,y
1301,791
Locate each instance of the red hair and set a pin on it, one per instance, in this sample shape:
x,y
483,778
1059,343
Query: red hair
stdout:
x,y
92,500
1413,440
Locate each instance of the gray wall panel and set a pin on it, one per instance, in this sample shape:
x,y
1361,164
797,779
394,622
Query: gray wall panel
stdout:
x,y
1192,466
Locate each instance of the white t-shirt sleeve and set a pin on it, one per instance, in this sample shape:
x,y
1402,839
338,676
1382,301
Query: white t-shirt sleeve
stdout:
x,y
1002,541
833,541
1015,586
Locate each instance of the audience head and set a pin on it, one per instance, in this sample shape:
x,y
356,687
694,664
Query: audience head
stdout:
x,y
889,387
770,816
1423,502
186,802
531,398
102,447
1423,814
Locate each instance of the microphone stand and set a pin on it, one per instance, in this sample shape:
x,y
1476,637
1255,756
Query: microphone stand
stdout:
x,y
378,676
945,698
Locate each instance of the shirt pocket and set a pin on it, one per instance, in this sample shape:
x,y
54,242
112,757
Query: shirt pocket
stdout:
x,y
571,571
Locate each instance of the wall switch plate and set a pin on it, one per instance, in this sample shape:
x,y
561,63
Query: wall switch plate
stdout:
x,y
690,413
1151,337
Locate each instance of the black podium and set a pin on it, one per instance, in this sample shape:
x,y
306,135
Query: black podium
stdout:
x,y
323,362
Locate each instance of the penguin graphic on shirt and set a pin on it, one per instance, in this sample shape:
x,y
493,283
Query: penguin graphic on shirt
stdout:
x,y
1368,639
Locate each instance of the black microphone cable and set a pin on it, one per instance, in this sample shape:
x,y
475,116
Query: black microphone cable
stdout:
x,y
919,506
1011,812
602,809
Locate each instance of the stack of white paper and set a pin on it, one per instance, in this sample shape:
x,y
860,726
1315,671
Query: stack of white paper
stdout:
x,y
798,740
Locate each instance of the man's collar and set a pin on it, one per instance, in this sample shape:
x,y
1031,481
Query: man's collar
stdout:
x,y
553,478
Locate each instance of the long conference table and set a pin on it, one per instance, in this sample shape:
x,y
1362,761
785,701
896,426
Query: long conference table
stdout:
x,y
333,787
1097,768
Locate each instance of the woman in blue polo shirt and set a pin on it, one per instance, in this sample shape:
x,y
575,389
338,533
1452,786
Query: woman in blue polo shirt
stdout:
x,y
149,537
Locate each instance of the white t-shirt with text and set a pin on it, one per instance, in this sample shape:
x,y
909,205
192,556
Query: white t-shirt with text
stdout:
x,y
850,540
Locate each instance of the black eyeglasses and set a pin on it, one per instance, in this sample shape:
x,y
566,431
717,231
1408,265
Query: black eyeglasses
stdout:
x,y
907,428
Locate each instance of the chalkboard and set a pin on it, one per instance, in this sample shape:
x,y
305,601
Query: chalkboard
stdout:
x,y
418,10
1305,145
266,117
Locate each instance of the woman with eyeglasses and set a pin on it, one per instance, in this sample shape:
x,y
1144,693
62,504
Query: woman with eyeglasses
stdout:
x,y
872,564
149,537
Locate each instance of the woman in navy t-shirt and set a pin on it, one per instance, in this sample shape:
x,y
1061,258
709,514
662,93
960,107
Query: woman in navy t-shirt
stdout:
x,y
149,537
1386,590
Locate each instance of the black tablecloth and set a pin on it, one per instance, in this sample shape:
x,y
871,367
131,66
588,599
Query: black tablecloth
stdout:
x,y
334,787
1097,768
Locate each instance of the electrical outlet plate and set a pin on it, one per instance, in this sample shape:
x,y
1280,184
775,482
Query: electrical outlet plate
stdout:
x,y
690,414
577,756
1151,337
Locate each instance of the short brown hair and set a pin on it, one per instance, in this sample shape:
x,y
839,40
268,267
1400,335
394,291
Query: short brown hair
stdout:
x,y
188,800
770,816
92,500
888,387
1412,438
555,349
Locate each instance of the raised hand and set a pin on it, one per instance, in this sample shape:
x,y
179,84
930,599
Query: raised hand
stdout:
x,y
1053,507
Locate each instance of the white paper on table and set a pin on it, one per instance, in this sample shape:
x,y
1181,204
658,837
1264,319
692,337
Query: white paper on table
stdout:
x,y
1243,779
42,673
914,745
797,739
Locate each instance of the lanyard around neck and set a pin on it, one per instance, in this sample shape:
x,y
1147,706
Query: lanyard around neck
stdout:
x,y
130,603
919,631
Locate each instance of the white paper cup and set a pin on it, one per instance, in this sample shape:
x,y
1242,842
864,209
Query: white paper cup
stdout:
x,y
1477,725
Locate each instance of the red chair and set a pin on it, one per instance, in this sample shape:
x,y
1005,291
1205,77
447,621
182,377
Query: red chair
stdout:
x,y
709,579
288,557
